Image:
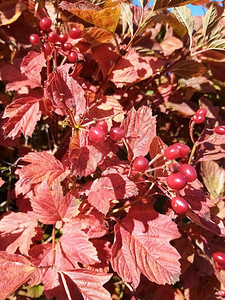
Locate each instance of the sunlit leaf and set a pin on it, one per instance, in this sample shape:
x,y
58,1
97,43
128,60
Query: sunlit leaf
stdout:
x,y
161,4
184,16
188,68
96,36
10,11
210,20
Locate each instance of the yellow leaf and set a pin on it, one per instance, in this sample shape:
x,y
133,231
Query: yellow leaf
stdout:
x,y
10,11
106,18
96,36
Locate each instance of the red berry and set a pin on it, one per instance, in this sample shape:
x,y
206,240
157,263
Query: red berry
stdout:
x,y
63,37
219,257
176,181
53,37
172,152
75,33
198,119
220,130
72,56
179,205
184,149
116,133
140,164
221,293
219,266
67,46
201,112
45,24
96,134
188,171
47,49
34,39
103,125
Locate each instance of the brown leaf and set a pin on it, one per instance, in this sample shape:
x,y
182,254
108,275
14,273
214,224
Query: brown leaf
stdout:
x,y
96,36
171,44
10,11
162,4
188,68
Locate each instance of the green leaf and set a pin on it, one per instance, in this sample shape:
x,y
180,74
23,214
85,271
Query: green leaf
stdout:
x,y
32,291
127,17
188,68
162,4
184,16
210,20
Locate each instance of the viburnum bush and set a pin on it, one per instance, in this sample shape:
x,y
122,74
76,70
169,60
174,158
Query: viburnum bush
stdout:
x,y
112,150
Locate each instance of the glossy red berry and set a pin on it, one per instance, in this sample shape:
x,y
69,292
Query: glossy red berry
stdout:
x,y
116,133
47,49
103,125
201,112
45,23
63,37
221,293
198,119
75,33
172,152
176,181
53,37
220,130
188,171
183,149
140,164
34,39
72,56
96,134
67,46
179,205
219,257
219,266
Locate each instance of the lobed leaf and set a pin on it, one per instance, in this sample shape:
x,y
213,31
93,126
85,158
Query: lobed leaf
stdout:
x,y
142,245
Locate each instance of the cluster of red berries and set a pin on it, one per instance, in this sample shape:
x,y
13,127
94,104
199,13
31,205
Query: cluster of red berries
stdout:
x,y
98,133
53,38
199,116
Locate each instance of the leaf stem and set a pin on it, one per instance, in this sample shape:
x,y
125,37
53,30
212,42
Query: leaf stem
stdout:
x,y
193,152
65,286
53,244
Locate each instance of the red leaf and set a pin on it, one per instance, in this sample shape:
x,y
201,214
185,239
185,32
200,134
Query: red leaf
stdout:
x,y
17,231
43,166
76,245
65,92
15,270
32,65
23,114
49,205
16,80
105,190
1,182
142,246
139,129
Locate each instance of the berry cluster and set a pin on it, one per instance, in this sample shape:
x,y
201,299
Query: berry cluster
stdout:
x,y
199,116
51,39
98,133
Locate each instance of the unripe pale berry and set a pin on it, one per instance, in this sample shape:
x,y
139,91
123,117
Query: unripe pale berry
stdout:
x,y
34,39
140,164
176,181
103,125
116,133
96,134
220,130
45,23
179,205
188,171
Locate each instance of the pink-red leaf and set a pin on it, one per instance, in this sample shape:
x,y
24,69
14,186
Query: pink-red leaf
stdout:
x,y
142,245
23,114
15,270
32,64
76,245
110,188
65,92
139,130
17,231
49,205
42,166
